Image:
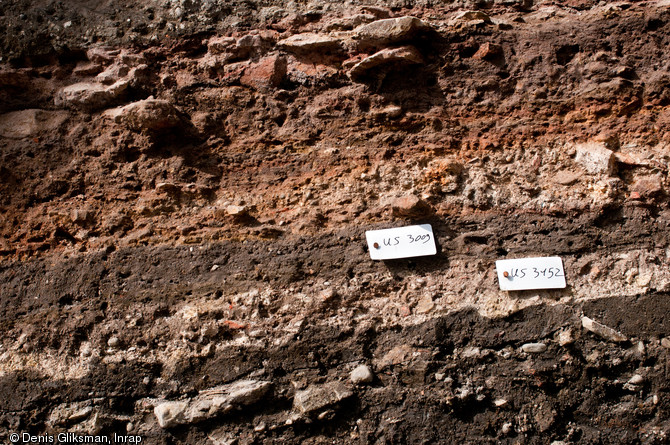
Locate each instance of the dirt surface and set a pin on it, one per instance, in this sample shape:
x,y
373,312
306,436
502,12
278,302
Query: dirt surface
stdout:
x,y
185,188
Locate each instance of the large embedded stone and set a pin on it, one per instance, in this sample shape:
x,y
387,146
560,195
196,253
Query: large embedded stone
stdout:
x,y
210,403
388,31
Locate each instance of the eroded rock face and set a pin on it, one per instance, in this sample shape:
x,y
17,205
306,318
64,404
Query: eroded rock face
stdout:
x,y
185,190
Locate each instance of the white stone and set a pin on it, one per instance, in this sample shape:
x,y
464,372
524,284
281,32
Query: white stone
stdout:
x,y
566,337
210,403
603,331
361,374
234,210
534,348
170,414
595,158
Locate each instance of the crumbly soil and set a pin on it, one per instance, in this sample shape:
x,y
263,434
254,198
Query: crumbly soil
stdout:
x,y
221,236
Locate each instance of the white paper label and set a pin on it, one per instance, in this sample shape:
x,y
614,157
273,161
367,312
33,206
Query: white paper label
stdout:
x,y
531,273
401,242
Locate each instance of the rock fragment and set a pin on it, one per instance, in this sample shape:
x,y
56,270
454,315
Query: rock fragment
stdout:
x,y
90,96
349,22
396,356
634,383
149,114
566,337
603,331
389,31
387,113
471,18
405,55
237,211
648,187
70,413
26,123
102,54
170,414
361,374
565,177
310,42
210,403
506,428
595,158
410,207
221,44
488,51
534,348
266,73
425,305
318,397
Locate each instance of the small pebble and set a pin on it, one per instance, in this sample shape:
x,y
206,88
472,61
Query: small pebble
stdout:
x,y
566,338
637,379
506,428
362,374
113,342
